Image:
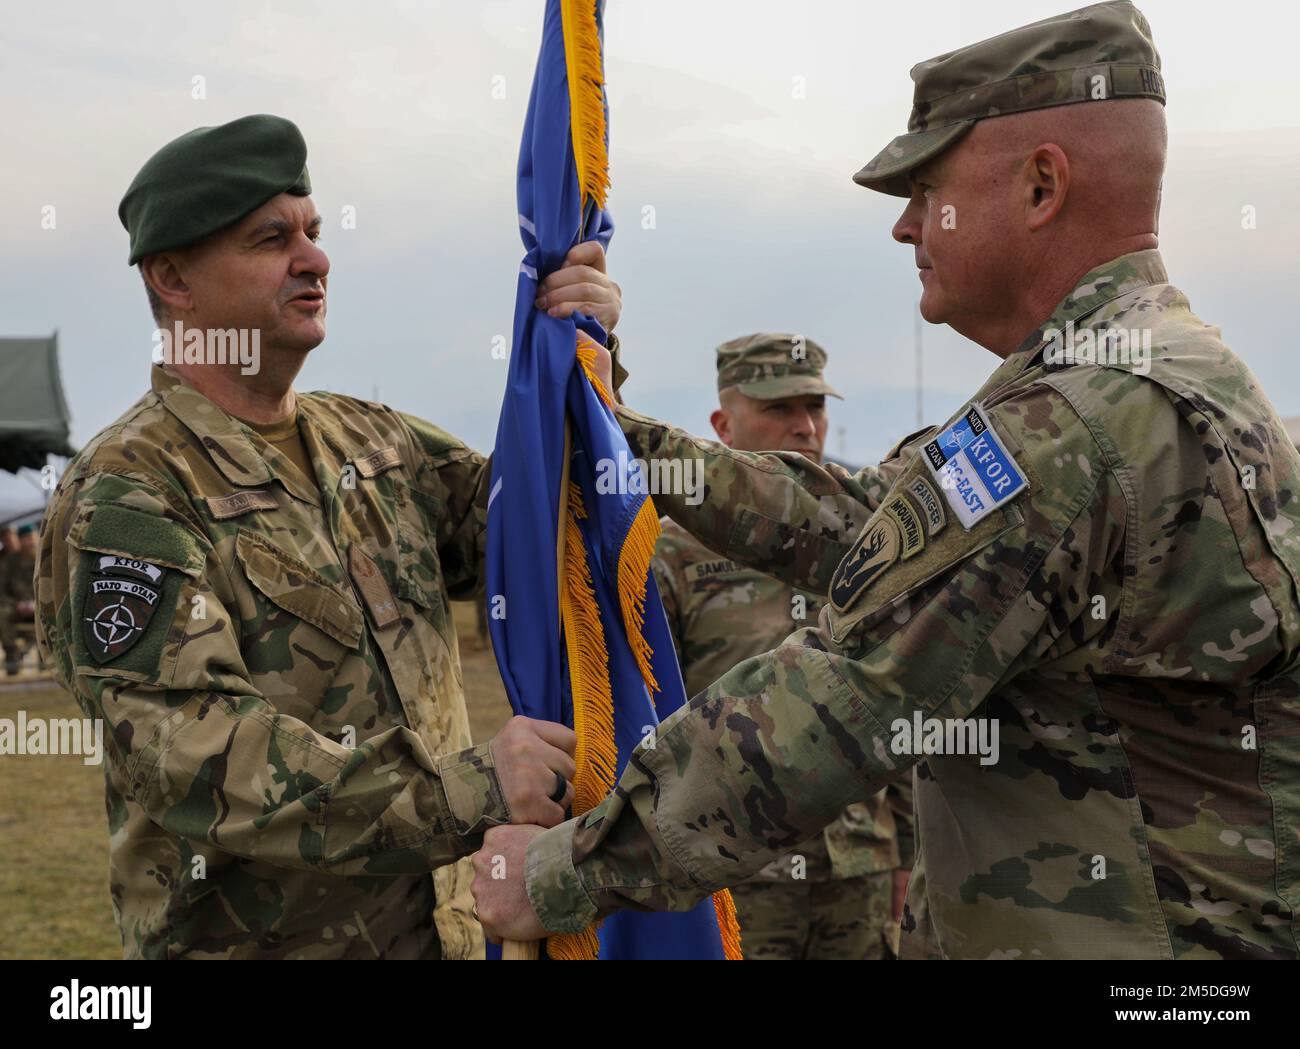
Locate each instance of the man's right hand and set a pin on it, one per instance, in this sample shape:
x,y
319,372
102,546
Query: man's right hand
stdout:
x,y
527,754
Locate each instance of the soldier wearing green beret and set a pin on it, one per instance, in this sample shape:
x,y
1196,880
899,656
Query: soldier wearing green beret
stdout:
x,y
251,587
1071,609
832,896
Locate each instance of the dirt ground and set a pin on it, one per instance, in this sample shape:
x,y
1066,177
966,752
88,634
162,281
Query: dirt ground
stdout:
x,y
53,835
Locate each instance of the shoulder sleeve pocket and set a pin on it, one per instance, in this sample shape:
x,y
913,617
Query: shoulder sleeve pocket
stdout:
x,y
126,590
111,529
883,569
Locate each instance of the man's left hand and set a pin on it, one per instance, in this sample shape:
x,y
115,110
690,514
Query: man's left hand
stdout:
x,y
500,899
581,285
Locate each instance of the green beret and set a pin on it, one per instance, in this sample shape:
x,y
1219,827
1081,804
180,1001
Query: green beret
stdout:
x,y
772,365
1095,54
27,529
209,178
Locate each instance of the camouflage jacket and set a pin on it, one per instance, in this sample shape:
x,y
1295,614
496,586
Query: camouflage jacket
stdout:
x,y
1130,620
288,750
720,614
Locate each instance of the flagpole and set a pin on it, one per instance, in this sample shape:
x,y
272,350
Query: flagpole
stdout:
x,y
519,950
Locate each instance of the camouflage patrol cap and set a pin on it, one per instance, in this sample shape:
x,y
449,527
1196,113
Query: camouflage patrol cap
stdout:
x,y
209,178
768,365
1097,53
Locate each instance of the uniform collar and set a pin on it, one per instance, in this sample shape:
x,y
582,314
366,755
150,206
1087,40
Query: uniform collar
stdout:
x,y
243,458
1097,287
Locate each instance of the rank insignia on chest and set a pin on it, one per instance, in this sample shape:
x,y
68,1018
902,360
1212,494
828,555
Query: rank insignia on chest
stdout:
x,y
120,600
373,588
974,470
876,549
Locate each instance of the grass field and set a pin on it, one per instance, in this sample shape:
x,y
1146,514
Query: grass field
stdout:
x,y
54,838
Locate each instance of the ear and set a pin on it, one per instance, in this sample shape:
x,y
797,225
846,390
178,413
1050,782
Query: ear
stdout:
x,y
167,281
721,420
1047,182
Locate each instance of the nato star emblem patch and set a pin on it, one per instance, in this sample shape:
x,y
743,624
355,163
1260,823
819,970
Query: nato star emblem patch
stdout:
x,y
975,471
120,601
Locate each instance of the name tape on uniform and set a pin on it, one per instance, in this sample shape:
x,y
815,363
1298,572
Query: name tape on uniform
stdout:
x,y
975,471
708,569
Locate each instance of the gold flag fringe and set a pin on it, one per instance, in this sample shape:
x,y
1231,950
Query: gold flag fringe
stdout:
x,y
593,701
724,907
585,67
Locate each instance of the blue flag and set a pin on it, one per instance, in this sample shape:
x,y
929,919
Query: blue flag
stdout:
x,y
575,618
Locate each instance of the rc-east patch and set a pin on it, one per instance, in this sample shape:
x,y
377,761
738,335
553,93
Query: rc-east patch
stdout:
x,y
974,470
122,596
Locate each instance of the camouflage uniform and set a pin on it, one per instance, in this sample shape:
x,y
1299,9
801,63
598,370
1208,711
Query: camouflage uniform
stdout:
x,y
288,751
831,896
835,901
1130,619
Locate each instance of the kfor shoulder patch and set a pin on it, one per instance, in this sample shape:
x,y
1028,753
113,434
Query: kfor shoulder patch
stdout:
x,y
876,549
121,598
975,471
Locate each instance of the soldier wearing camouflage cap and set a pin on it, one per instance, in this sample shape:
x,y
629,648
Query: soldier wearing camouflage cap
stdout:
x,y
1072,608
831,896
251,588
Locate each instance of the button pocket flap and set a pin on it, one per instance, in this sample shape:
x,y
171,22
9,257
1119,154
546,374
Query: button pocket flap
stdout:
x,y
108,528
299,590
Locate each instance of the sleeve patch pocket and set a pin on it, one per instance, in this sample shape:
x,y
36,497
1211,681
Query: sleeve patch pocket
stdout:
x,y
132,570
907,543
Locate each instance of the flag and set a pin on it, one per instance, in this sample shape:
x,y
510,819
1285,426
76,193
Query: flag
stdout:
x,y
576,622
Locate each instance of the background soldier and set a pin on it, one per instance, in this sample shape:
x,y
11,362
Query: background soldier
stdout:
x,y
1097,558
251,588
832,896
17,595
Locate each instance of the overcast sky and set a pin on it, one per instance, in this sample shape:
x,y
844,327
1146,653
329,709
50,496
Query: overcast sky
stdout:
x,y
757,224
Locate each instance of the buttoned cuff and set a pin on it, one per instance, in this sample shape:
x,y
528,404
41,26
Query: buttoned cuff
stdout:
x,y
553,884
474,796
